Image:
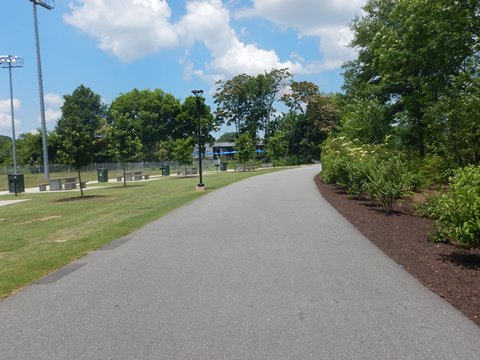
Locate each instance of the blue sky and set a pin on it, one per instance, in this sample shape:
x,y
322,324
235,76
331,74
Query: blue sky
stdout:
x,y
114,46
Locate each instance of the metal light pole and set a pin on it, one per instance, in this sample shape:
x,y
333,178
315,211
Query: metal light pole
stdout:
x,y
197,94
47,4
12,61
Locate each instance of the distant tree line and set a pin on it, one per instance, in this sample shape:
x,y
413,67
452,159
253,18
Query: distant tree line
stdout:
x,y
152,125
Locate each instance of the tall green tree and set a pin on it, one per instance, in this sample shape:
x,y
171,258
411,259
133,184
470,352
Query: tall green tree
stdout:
x,y
364,121
6,156
227,137
246,148
188,124
248,101
182,152
310,118
154,115
410,54
78,126
276,147
124,143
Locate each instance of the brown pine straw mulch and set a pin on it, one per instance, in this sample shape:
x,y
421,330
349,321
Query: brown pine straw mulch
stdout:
x,y
448,270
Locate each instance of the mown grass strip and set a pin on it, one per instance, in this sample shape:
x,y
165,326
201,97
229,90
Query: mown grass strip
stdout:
x,y
53,229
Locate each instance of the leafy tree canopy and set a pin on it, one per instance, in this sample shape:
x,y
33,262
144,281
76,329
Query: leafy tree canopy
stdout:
x,y
77,127
154,115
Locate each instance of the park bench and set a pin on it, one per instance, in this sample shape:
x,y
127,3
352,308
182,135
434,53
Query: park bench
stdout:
x,y
246,167
64,183
73,185
190,171
133,176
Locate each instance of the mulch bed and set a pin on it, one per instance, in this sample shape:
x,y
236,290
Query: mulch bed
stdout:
x,y
451,272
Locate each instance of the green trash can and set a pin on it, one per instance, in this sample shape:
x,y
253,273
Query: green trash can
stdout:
x,y
102,175
223,166
16,183
166,170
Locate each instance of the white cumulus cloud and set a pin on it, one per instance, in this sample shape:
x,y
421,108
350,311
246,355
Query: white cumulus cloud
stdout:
x,y
132,29
208,21
53,103
53,99
5,114
129,29
326,19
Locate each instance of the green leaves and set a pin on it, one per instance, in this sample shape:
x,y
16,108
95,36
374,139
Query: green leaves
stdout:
x,y
247,101
124,142
413,55
153,114
457,210
245,146
78,126
365,170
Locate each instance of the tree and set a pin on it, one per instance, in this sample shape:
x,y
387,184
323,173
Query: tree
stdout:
x,y
227,137
311,118
5,150
77,127
269,87
365,121
182,152
248,101
154,115
246,147
233,101
188,121
276,147
124,142
29,148
410,54
299,96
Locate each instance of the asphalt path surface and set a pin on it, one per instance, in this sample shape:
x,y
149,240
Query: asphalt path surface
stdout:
x,y
262,269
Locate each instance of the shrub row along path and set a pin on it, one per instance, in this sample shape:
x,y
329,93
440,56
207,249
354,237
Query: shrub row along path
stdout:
x,y
262,269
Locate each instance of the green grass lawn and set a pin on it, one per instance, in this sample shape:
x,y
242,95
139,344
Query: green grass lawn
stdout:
x,y
52,229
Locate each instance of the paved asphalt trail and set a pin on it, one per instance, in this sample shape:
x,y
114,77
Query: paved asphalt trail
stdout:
x,y
262,269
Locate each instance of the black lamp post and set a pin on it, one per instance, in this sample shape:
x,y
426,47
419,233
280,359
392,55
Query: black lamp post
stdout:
x,y
197,94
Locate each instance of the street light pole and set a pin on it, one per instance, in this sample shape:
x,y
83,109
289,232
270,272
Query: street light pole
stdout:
x,y
12,61
197,94
47,4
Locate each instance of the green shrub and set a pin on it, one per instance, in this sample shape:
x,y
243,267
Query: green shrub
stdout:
x,y
386,182
457,211
358,172
341,161
365,169
437,170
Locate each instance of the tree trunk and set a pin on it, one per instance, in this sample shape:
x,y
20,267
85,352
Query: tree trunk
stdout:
x,y
124,178
80,182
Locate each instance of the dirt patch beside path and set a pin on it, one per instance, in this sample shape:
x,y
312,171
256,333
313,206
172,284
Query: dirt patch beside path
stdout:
x,y
452,273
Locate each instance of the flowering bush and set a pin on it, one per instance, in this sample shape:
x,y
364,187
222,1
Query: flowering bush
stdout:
x,y
457,211
364,169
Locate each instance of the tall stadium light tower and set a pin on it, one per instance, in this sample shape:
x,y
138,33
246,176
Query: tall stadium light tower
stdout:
x,y
47,4
12,61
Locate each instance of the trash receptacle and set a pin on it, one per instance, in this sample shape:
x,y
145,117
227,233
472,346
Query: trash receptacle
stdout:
x,y
166,170
102,175
16,183
223,166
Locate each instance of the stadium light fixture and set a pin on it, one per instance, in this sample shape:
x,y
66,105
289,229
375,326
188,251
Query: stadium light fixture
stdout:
x,y
49,5
12,61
